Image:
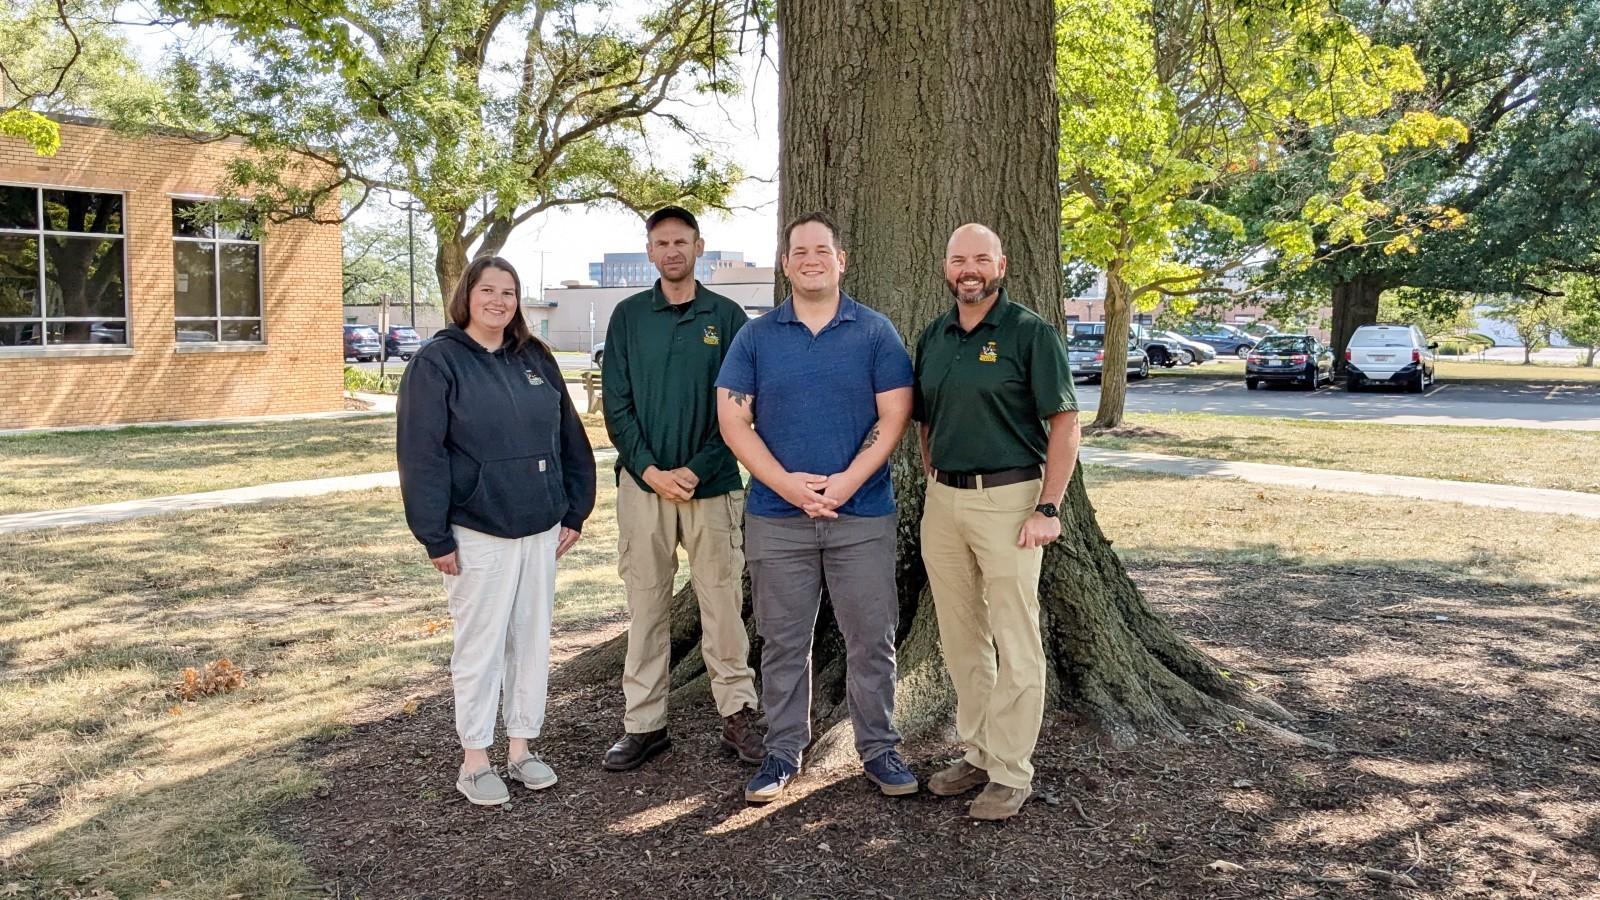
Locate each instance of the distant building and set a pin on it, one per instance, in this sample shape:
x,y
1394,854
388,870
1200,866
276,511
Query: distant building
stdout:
x,y
577,315
635,269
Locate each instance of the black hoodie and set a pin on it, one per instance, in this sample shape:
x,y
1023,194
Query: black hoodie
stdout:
x,y
491,442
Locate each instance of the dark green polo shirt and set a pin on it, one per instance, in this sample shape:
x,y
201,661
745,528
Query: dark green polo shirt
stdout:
x,y
658,382
985,394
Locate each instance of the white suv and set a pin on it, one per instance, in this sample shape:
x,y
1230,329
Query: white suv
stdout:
x,y
1390,354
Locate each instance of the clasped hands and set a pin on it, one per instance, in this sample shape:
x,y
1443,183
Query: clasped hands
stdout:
x,y
818,496
676,485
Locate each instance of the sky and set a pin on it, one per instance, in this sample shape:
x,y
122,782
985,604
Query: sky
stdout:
x,y
562,243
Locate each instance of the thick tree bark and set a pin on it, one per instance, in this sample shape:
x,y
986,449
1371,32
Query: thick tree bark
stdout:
x,y
449,262
1114,368
904,119
1355,303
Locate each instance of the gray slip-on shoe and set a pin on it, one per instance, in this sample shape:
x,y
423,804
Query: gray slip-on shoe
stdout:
x,y
532,772
483,788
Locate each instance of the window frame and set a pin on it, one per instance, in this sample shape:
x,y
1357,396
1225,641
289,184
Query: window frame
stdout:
x,y
217,244
41,233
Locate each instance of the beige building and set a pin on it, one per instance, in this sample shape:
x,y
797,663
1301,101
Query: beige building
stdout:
x,y
576,315
117,306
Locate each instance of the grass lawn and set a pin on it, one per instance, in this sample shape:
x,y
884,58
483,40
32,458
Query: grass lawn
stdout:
x,y
109,782
1564,460
54,470
1230,368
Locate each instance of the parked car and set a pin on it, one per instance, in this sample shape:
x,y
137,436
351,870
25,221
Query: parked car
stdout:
x,y
1224,338
1289,359
361,343
1390,355
1160,351
1190,351
402,341
597,353
1086,352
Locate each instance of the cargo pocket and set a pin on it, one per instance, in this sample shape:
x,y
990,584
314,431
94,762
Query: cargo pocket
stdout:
x,y
735,501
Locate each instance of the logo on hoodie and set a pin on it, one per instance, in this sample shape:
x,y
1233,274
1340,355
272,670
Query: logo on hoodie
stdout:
x,y
533,378
711,337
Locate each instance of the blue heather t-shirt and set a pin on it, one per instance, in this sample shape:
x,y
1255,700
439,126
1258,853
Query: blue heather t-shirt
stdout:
x,y
816,396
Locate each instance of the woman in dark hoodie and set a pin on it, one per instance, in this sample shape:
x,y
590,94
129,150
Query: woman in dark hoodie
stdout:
x,y
497,476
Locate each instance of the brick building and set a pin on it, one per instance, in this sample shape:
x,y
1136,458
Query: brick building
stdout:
x,y
116,305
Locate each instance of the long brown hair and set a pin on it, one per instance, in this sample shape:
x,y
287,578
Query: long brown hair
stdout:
x,y
517,334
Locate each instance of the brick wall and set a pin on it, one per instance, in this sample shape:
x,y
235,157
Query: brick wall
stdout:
x,y
298,370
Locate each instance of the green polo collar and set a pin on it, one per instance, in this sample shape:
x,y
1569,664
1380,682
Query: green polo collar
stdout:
x,y
991,319
702,302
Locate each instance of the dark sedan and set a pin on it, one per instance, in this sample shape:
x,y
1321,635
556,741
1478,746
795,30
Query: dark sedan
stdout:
x,y
402,341
1296,359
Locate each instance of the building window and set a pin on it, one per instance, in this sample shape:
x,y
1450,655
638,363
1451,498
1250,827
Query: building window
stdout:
x,y
62,276
217,295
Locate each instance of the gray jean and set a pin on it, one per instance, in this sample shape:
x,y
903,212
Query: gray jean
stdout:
x,y
790,560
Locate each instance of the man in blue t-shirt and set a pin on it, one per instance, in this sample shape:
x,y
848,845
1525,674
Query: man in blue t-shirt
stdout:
x,y
813,398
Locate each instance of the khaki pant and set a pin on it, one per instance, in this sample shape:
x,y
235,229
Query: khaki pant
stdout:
x,y
650,530
986,594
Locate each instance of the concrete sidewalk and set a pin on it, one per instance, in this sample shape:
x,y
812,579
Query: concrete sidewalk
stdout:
x,y
1471,493
1530,500
246,496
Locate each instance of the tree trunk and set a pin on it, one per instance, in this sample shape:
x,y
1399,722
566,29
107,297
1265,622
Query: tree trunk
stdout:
x,y
904,119
449,261
1355,303
1114,368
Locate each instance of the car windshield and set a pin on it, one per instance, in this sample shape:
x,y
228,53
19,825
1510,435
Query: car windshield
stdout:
x,y
363,333
405,334
1281,342
1086,342
1381,337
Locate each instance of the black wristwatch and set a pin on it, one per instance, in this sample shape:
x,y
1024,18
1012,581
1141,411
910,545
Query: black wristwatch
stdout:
x,y
1048,510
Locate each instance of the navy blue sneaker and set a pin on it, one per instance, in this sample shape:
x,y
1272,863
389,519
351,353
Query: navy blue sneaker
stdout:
x,y
770,780
891,774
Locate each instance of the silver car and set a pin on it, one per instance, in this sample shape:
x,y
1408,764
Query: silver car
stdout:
x,y
1087,354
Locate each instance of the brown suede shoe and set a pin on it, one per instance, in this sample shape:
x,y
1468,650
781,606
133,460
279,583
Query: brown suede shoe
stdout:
x,y
739,733
957,779
998,802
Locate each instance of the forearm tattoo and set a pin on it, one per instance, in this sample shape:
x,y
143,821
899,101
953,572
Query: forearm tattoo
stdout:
x,y
872,438
738,397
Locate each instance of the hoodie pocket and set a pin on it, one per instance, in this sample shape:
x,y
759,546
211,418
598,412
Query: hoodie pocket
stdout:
x,y
523,494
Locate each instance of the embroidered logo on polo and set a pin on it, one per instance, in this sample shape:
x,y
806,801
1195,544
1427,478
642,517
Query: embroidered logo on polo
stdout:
x,y
990,353
711,337
532,378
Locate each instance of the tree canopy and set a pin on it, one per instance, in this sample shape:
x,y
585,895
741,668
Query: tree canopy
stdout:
x,y
488,112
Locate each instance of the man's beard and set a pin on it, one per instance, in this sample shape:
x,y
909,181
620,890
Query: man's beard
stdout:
x,y
989,289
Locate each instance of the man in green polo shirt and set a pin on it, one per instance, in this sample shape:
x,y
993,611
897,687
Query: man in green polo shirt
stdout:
x,y
998,425
676,484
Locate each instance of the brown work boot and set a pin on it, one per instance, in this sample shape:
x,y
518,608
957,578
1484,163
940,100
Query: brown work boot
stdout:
x,y
740,734
957,779
998,802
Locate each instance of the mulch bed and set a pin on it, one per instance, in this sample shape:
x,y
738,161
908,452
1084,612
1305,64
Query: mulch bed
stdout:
x,y
1469,766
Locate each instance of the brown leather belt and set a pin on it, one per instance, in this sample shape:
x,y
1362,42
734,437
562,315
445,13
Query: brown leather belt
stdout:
x,y
976,481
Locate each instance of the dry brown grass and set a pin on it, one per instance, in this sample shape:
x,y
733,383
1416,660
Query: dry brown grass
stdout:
x,y
329,607
1565,460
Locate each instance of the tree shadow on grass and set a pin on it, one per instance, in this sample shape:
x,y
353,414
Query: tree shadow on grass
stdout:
x,y
1463,769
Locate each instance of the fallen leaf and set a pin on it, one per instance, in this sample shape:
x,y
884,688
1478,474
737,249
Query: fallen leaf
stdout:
x,y
175,710
410,708
1222,865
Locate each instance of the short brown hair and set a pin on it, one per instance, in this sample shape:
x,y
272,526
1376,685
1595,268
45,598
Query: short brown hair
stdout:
x,y
817,216
517,335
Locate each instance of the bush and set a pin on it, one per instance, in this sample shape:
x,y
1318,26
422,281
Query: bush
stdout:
x,y
1464,344
370,382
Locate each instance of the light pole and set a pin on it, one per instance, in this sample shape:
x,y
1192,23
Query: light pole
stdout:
x,y
411,206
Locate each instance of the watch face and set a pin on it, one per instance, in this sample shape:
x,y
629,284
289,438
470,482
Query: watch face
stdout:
x,y
1048,509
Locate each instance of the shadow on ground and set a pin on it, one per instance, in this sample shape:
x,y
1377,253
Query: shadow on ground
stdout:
x,y
1465,714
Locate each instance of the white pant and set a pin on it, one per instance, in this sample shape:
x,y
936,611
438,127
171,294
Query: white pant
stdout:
x,y
501,603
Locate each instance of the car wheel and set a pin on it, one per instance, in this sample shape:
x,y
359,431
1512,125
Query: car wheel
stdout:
x,y
1144,370
406,357
1313,379
1242,351
1186,357
1251,384
1421,384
